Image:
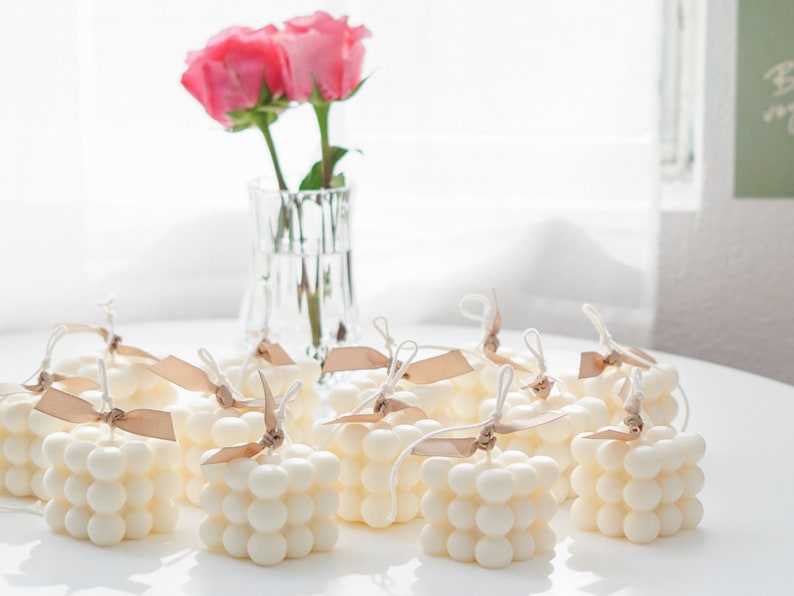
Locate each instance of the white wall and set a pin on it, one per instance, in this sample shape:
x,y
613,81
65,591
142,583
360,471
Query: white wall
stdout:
x,y
726,288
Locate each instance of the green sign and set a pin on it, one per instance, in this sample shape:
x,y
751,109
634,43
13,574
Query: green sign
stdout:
x,y
765,99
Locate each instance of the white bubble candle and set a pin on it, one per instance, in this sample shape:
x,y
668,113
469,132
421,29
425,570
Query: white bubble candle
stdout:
x,y
107,484
267,505
636,483
494,508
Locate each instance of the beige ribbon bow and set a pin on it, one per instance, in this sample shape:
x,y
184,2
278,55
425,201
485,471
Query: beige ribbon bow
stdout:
x,y
491,322
274,434
112,340
193,378
593,364
429,370
385,404
486,440
273,353
632,394
45,379
68,407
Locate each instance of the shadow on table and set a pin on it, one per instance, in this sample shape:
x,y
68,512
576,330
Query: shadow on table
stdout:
x,y
60,560
621,564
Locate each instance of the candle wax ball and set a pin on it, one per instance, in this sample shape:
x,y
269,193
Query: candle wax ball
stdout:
x,y
15,416
268,481
138,522
642,494
211,531
524,513
236,473
18,481
693,479
37,453
643,462
672,454
296,450
267,515
408,473
299,542
525,476
300,509
43,425
375,510
381,445
256,424
350,473
641,527
461,512
235,540
165,515
493,552
434,471
106,496
92,434
670,519
672,486
523,545
610,454
106,463
342,397
268,548
140,490
55,515
300,474
545,505
123,382
229,431
545,538
546,469
76,455
139,456
375,477
16,449
349,505
54,446
166,484
694,446
407,506
106,529
610,520
350,439
55,482
326,467
598,410
76,489
433,539
326,534
326,501
199,426
166,453
76,521
433,507
460,546
659,433
494,520
583,513
211,499
692,512
583,481
557,431
609,488
235,507
462,479
495,485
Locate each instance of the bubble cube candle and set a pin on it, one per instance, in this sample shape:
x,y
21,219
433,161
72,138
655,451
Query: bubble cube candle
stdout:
x,y
637,484
641,490
106,484
493,510
267,505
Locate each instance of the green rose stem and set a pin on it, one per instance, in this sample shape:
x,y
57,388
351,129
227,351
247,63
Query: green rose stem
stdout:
x,y
265,128
321,110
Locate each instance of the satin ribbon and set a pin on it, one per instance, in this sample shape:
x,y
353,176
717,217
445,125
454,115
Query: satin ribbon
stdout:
x,y
542,384
274,354
632,394
144,422
45,380
193,378
113,341
274,435
429,370
593,364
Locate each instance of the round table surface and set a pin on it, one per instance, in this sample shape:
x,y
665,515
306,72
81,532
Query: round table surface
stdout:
x,y
741,546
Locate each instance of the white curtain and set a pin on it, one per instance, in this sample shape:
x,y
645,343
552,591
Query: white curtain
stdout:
x,y
510,144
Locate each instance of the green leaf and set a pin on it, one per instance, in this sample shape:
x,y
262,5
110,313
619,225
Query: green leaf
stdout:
x,y
354,91
314,179
241,119
265,96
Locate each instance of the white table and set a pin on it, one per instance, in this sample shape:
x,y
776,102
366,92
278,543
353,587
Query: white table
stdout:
x,y
743,545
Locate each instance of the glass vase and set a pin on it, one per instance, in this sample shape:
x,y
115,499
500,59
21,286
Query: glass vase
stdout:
x,y
301,293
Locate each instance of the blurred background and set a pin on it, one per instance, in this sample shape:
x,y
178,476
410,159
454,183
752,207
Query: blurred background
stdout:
x,y
561,153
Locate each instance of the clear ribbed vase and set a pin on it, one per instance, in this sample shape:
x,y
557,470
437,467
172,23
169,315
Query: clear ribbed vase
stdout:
x,y
301,290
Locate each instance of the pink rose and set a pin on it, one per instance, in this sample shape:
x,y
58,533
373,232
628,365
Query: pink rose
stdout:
x,y
227,74
325,48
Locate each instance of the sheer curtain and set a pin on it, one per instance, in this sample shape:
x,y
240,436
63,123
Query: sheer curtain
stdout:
x,y
511,145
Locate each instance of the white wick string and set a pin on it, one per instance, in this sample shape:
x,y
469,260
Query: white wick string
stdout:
x,y
57,333
387,389
611,345
504,380
290,394
220,377
537,352
110,316
486,317
382,326
264,333
107,399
